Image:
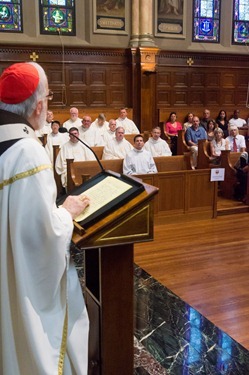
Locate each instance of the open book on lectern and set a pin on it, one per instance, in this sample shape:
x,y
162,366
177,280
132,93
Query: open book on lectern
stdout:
x,y
107,191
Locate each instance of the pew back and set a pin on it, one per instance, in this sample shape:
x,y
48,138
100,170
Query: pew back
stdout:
x,y
81,170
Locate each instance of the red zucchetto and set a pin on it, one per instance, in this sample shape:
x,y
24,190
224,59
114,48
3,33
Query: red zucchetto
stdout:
x,y
18,83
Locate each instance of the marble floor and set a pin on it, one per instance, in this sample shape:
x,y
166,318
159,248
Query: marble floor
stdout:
x,y
173,338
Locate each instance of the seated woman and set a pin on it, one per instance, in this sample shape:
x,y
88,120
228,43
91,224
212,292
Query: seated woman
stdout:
x,y
217,145
189,121
211,125
171,128
222,122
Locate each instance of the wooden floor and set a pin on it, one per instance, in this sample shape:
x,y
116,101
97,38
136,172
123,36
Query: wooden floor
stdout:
x,y
206,263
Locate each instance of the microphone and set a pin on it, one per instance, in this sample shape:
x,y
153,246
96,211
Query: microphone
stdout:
x,y
64,130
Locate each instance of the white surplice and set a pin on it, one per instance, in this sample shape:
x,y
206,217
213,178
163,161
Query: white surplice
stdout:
x,y
38,282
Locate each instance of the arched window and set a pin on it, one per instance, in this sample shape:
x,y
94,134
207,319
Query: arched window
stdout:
x,y
11,16
57,17
206,21
240,21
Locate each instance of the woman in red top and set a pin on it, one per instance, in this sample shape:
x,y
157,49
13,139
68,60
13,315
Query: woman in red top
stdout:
x,y
171,128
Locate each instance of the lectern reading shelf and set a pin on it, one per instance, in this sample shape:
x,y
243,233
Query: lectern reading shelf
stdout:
x,y
107,191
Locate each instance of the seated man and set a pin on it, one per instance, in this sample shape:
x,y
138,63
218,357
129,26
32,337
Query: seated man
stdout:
x,y
236,120
139,160
100,124
205,118
74,120
193,134
55,139
110,133
46,129
89,134
72,149
118,147
236,141
126,123
156,145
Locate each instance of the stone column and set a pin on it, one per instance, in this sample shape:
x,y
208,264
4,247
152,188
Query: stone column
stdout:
x,y
142,23
134,41
146,22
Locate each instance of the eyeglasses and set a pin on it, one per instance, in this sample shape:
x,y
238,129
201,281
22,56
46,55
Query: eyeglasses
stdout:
x,y
50,95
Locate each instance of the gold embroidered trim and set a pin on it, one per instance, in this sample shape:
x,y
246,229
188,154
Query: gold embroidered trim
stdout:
x,y
25,174
63,344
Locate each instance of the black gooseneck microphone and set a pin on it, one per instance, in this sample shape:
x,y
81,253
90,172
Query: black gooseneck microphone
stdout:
x,y
64,130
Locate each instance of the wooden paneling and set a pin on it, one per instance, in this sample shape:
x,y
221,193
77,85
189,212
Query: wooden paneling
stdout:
x,y
81,77
213,81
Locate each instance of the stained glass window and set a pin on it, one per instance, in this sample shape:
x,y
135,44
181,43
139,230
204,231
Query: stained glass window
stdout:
x,y
57,17
240,21
11,16
206,21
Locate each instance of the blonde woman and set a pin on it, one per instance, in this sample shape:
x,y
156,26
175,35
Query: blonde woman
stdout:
x,y
218,144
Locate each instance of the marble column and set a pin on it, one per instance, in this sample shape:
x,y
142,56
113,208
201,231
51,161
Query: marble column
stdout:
x,y
142,24
134,41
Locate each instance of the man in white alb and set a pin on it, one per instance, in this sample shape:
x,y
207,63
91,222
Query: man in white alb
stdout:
x,y
156,145
74,119
128,125
55,139
118,147
100,124
72,149
90,134
139,160
109,134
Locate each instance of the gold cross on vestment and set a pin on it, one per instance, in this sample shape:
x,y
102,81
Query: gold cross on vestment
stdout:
x,y
190,61
34,56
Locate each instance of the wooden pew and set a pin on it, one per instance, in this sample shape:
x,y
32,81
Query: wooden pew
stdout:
x,y
204,159
228,160
98,151
43,139
78,172
175,201
181,143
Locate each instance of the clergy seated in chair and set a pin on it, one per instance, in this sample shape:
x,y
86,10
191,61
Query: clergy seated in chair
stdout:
x,y
72,149
118,147
139,160
156,145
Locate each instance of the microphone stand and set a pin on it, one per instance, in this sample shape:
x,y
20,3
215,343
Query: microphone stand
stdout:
x,y
64,130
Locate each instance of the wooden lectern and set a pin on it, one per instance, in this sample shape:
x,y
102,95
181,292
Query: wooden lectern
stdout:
x,y
108,246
